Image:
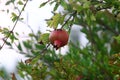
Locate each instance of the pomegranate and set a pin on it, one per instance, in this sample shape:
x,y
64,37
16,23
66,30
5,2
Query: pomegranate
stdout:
x,y
79,77
58,38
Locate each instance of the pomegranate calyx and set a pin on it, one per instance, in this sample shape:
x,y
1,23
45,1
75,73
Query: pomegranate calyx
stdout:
x,y
58,29
57,44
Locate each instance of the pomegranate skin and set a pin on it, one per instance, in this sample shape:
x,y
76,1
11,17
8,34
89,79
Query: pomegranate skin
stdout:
x,y
58,38
79,77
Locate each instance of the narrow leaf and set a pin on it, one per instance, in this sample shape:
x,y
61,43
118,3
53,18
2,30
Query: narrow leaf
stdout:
x,y
8,2
19,47
20,2
56,19
56,6
43,4
44,38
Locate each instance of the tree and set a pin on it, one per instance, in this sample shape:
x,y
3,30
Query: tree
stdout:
x,y
99,59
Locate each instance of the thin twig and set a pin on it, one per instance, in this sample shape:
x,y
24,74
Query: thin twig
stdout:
x,y
92,40
41,52
14,24
70,26
74,13
45,48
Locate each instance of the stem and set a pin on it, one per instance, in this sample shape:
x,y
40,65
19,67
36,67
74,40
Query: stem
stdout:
x,y
14,25
41,51
45,48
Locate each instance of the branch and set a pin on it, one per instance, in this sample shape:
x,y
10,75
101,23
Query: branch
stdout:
x,y
74,13
92,40
14,25
45,48
29,60
108,27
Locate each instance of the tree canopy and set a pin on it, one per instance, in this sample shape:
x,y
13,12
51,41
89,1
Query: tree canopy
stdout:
x,y
98,60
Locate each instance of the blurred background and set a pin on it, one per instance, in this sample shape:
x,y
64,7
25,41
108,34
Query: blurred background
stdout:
x,y
33,16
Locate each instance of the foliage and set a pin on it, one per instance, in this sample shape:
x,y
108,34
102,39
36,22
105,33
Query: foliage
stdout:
x,y
98,60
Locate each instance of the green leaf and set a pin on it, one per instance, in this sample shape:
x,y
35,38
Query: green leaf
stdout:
x,y
31,35
117,38
65,5
13,14
19,47
27,44
14,17
38,46
35,60
8,2
43,4
92,17
20,2
1,30
76,6
7,10
12,1
8,43
12,37
56,6
52,72
56,19
21,74
5,31
86,4
44,38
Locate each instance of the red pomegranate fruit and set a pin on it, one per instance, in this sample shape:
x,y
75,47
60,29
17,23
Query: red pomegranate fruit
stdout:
x,y
79,77
58,38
